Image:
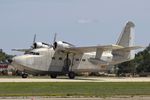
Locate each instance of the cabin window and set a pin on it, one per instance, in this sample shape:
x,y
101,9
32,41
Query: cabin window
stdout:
x,y
77,59
53,58
60,58
83,60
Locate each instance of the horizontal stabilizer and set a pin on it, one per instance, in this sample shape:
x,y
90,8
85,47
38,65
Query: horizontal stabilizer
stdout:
x,y
129,48
22,50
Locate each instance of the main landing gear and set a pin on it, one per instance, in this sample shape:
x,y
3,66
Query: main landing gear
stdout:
x,y
53,75
24,75
71,75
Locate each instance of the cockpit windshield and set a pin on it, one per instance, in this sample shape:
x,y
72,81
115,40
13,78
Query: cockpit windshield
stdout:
x,y
33,53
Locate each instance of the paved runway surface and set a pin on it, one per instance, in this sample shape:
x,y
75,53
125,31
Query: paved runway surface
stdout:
x,y
107,98
78,79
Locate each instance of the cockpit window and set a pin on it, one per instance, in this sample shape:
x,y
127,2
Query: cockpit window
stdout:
x,y
34,53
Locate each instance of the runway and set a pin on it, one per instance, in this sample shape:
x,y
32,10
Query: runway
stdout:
x,y
52,98
79,79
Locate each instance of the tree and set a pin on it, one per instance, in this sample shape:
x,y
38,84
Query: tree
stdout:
x,y
140,64
126,67
143,60
2,56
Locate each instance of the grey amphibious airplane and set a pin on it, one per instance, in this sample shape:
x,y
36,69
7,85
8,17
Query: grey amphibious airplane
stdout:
x,y
64,58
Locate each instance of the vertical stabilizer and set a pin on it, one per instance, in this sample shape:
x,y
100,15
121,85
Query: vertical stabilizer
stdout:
x,y
126,39
127,35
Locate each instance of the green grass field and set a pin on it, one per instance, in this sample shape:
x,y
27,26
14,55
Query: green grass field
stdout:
x,y
74,89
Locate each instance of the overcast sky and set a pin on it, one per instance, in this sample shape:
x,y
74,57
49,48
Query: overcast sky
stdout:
x,y
81,22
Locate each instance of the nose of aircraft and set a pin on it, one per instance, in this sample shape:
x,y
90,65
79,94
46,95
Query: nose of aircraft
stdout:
x,y
18,60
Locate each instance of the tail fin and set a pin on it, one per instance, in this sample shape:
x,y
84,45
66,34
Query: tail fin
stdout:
x,y
126,37
126,40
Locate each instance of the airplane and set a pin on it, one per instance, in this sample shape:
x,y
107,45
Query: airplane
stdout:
x,y
64,58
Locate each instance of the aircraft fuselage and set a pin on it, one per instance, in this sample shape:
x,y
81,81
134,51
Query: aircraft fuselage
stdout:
x,y
47,60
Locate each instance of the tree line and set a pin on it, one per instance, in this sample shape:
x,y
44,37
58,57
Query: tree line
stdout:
x,y
4,58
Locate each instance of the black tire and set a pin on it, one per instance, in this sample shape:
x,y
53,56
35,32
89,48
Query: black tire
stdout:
x,y
71,75
24,75
54,75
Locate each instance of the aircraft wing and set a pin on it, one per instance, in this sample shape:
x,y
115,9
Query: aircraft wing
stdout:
x,y
93,48
22,50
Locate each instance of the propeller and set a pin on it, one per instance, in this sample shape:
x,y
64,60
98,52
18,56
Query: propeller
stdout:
x,y
34,39
34,42
60,43
54,41
55,36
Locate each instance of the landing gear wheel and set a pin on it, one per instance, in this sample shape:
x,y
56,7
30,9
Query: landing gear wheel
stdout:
x,y
24,75
71,75
54,75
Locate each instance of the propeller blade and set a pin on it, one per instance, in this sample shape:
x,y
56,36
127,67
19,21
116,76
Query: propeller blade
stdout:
x,y
34,39
55,36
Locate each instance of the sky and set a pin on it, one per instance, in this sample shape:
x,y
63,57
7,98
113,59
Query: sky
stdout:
x,y
80,22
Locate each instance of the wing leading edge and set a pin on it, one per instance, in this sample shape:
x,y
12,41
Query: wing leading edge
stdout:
x,y
93,48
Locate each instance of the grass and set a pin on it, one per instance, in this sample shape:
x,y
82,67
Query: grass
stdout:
x,y
74,89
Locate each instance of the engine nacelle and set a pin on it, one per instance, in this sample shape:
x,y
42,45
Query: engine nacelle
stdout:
x,y
40,45
61,45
